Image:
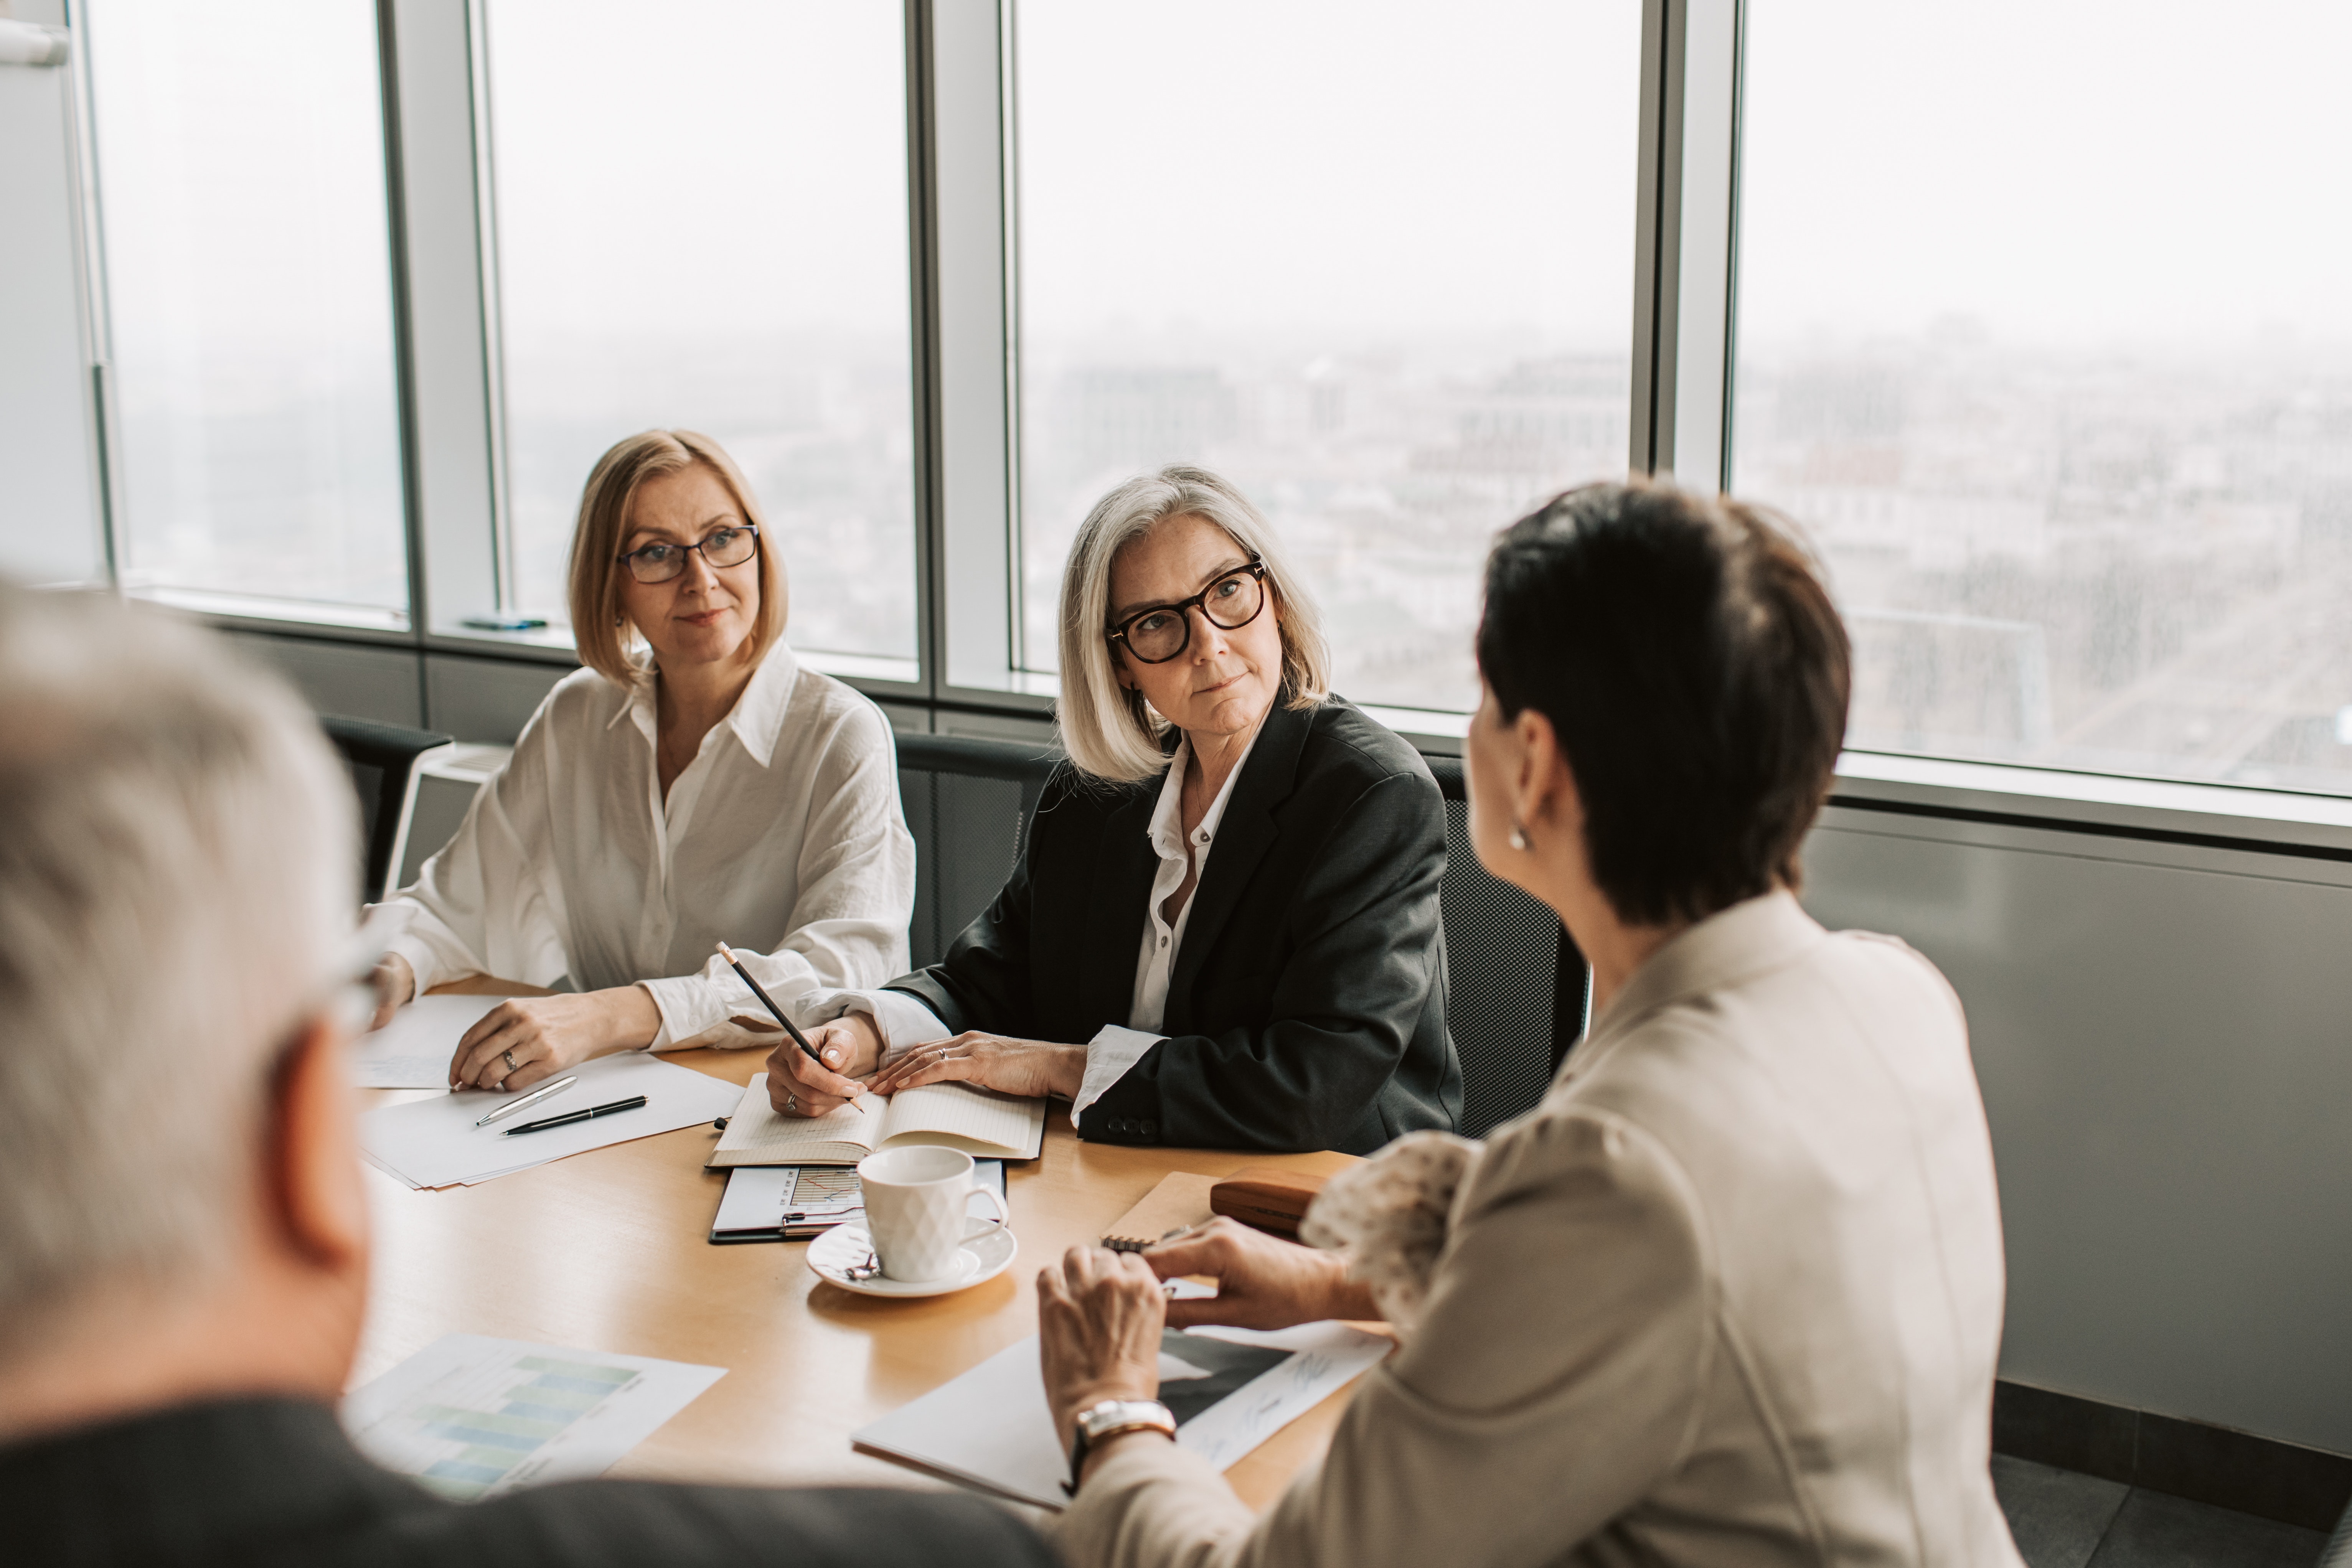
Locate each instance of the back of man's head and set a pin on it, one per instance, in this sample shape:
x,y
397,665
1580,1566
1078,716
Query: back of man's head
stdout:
x,y
177,883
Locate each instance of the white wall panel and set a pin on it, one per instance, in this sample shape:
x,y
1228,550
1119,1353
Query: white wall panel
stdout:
x,y
2165,1040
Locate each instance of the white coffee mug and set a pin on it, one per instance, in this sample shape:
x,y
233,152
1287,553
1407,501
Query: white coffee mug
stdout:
x,y
915,1209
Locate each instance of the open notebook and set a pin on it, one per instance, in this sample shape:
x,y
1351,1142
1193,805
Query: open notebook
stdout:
x,y
979,1121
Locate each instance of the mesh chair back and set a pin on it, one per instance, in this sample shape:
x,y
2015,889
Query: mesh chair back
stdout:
x,y
967,803
1515,982
382,760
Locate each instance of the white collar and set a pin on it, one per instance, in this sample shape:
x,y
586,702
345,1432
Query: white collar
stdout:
x,y
1167,817
757,717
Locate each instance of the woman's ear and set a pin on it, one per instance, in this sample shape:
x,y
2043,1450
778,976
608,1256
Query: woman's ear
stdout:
x,y
1537,782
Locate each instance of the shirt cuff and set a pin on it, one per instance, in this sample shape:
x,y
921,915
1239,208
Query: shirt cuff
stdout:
x,y
901,1021
1110,1055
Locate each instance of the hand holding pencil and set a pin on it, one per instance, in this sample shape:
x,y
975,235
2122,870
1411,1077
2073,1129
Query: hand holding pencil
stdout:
x,y
806,1074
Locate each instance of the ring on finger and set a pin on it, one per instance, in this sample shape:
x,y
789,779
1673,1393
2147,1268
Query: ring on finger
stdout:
x,y
792,1103
509,1057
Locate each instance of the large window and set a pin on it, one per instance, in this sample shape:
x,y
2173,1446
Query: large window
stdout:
x,y
701,223
241,178
1373,261
2044,330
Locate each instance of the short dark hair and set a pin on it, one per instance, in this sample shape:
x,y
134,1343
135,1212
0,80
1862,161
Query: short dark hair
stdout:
x,y
1697,674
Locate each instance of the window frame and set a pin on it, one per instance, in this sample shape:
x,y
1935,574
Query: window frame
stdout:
x,y
964,234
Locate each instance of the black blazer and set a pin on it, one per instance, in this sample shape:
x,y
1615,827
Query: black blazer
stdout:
x,y
1306,1007
256,1483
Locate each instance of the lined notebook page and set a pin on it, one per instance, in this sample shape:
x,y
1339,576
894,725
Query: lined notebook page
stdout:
x,y
756,1135
999,1123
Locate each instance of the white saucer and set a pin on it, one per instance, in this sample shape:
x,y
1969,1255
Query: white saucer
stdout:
x,y
988,1249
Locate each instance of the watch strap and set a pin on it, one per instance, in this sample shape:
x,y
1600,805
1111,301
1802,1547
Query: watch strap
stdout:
x,y
1108,1420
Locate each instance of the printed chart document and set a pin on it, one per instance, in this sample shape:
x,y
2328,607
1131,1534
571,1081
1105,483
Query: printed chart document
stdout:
x,y
413,1051
471,1416
435,1144
792,1203
1230,1389
980,1121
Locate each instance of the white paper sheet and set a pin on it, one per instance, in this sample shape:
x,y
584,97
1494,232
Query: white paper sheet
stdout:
x,y
435,1144
991,1427
471,1416
413,1051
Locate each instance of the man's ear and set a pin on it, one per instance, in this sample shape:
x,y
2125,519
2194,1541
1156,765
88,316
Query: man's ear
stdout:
x,y
319,1201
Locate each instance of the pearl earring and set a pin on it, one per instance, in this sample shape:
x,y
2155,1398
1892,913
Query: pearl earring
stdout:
x,y
1518,836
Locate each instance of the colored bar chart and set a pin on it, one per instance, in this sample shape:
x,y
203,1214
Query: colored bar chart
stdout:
x,y
470,1417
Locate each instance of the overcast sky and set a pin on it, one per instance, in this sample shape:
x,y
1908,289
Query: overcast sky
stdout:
x,y
2056,168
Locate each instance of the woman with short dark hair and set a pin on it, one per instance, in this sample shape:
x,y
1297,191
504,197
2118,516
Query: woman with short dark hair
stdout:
x,y
1732,1292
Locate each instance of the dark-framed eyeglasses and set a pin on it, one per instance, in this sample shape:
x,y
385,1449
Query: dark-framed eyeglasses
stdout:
x,y
1160,633
729,546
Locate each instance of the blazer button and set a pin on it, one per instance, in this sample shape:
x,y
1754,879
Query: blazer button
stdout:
x,y
1150,1129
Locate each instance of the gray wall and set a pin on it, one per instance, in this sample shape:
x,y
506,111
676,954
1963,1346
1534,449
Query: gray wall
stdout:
x,y
2161,1034
478,700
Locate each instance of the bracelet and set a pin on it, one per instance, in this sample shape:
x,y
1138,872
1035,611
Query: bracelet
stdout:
x,y
1097,1423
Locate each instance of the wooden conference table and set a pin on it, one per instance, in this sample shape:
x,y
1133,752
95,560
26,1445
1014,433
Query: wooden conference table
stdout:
x,y
609,1250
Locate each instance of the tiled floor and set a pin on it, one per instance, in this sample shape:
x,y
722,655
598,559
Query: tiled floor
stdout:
x,y
2061,1520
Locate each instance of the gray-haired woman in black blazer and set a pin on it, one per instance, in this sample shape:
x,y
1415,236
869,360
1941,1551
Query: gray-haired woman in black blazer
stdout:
x,y
1223,931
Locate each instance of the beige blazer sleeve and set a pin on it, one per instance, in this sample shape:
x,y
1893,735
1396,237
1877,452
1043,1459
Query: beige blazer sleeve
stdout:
x,y
1561,1358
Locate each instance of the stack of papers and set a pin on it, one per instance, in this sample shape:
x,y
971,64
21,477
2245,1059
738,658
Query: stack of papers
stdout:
x,y
414,1051
1229,1389
435,1144
471,1416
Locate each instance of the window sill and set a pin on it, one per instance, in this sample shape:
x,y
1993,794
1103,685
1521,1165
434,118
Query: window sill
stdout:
x,y
254,612
2218,815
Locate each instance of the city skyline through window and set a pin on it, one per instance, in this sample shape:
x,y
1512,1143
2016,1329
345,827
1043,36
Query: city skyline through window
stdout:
x,y
1372,263
711,235
2042,339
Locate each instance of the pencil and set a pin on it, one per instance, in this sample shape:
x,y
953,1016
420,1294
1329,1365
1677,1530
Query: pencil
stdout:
x,y
769,1002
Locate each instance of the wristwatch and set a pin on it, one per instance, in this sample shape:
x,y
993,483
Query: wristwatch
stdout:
x,y
1108,1419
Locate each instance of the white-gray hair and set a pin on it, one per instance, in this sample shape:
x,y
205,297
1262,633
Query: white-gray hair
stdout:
x,y
1108,729
178,874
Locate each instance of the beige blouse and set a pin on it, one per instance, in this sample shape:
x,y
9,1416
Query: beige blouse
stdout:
x,y
1730,1295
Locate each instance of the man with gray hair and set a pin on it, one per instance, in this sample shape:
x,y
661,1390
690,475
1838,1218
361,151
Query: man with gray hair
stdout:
x,y
184,1236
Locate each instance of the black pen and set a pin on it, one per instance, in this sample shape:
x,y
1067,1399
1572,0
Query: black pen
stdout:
x,y
635,1102
769,1002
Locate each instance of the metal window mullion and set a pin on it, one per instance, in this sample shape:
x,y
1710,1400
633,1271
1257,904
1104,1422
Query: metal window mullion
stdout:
x,y
1685,238
447,319
968,153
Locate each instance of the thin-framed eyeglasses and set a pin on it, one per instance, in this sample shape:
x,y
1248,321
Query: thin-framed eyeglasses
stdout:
x,y
1160,633
729,546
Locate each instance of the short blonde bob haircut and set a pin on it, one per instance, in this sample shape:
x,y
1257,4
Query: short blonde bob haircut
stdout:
x,y
607,643
1108,730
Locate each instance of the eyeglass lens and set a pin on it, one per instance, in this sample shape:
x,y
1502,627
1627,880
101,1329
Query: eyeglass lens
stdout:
x,y
721,547
1158,636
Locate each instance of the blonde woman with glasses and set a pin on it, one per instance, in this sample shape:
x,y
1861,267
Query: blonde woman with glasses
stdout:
x,y
692,784
1223,929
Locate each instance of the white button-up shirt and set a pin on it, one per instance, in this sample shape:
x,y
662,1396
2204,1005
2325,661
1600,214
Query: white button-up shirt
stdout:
x,y
783,838
905,1023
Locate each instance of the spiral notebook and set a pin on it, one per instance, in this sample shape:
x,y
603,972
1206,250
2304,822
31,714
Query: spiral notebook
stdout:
x,y
980,1121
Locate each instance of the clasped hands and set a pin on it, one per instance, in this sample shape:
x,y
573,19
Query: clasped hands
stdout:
x,y
1099,1313
851,1047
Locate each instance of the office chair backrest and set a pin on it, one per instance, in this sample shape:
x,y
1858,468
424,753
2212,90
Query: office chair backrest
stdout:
x,y
384,759
1516,983
967,803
